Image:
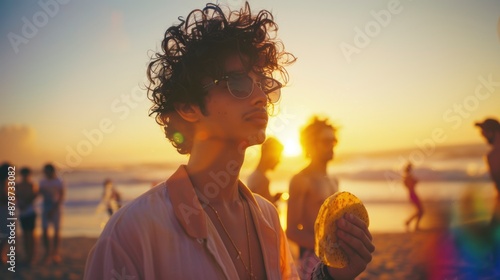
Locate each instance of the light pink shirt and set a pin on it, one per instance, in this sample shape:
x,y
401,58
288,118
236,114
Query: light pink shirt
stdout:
x,y
165,234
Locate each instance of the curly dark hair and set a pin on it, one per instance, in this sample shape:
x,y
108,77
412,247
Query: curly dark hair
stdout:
x,y
197,48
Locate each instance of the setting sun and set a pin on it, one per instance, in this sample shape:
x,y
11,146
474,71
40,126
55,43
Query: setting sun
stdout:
x,y
292,147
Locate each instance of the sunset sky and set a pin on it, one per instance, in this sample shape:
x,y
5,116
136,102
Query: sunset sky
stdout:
x,y
389,73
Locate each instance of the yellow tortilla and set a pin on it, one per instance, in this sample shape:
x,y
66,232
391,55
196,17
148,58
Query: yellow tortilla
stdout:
x,y
325,227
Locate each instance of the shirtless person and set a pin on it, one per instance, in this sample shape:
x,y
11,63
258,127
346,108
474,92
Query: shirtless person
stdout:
x,y
309,188
270,157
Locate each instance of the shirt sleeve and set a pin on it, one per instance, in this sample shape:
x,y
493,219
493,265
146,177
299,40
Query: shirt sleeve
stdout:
x,y
288,269
108,260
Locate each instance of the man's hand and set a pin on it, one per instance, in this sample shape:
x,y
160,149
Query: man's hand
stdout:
x,y
356,241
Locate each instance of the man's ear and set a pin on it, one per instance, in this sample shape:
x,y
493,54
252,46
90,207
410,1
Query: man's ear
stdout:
x,y
188,112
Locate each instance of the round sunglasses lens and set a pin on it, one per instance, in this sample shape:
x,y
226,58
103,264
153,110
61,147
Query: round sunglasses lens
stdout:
x,y
240,86
272,88
274,96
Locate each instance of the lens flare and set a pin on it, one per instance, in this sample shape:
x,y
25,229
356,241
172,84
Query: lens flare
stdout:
x,y
178,138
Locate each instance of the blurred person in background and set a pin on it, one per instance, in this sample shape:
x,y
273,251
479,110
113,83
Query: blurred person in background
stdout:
x,y
111,198
410,182
309,189
52,190
258,182
26,193
490,129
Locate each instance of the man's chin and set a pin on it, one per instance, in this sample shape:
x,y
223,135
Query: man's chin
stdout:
x,y
257,138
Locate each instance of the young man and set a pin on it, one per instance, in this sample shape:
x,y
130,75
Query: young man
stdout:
x,y
211,86
52,191
309,188
270,157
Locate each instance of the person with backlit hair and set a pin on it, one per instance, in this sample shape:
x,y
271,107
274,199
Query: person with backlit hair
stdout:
x,y
309,188
211,86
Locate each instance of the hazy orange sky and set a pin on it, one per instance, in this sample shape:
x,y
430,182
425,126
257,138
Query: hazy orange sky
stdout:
x,y
391,74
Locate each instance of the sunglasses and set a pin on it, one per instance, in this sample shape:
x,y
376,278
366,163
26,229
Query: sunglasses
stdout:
x,y
241,86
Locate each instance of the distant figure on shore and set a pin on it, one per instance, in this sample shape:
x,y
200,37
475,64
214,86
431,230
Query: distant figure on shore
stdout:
x,y
410,183
111,198
4,211
490,129
309,188
52,190
26,192
269,159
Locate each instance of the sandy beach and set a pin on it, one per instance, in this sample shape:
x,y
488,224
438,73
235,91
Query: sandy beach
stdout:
x,y
427,254
74,251
433,255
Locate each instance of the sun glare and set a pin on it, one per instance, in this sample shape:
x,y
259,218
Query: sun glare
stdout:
x,y
292,147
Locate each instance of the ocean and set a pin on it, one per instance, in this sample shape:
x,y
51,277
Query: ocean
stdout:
x,y
386,199
454,187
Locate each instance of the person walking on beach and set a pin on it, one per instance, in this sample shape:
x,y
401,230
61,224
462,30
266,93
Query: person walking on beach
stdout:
x,y
111,198
211,85
258,182
26,193
410,183
52,191
309,189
